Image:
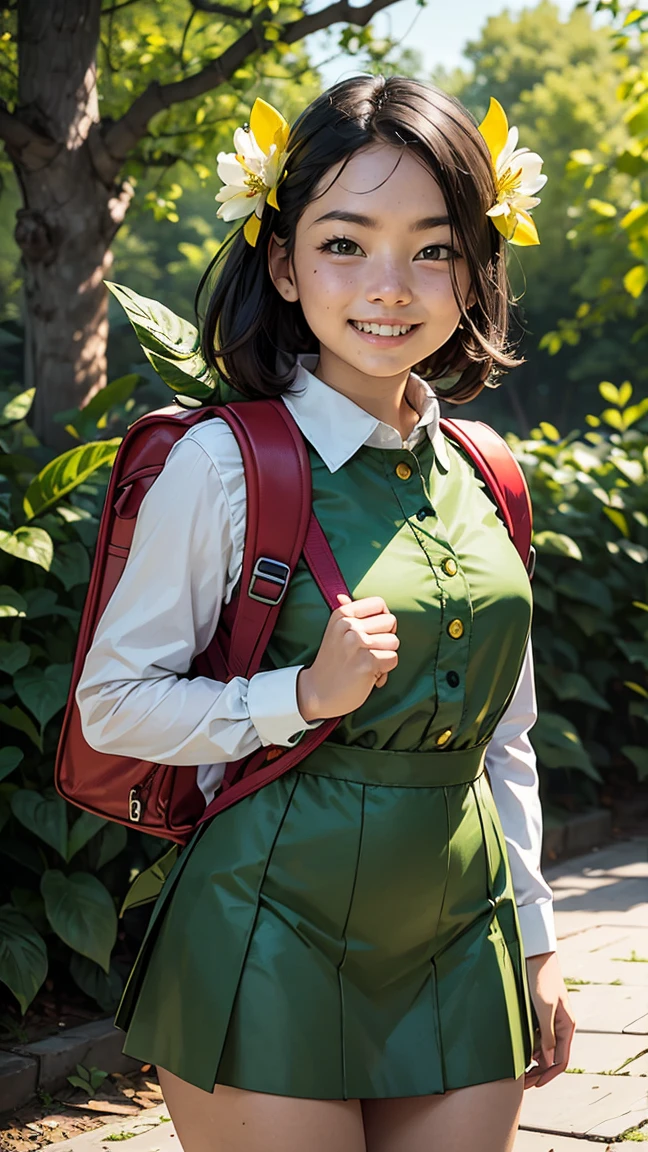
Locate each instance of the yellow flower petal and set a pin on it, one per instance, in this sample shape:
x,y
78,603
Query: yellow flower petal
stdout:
x,y
494,128
272,195
268,126
526,232
251,229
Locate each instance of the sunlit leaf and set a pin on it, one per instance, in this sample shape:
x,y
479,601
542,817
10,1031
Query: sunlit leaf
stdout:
x,y
62,475
31,544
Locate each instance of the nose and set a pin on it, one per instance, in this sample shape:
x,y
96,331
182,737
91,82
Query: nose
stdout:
x,y
389,284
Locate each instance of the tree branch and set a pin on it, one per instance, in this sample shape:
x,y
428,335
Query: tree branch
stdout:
x,y
25,146
122,136
216,9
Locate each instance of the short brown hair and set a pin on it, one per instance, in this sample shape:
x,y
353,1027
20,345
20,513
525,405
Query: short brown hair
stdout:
x,y
247,323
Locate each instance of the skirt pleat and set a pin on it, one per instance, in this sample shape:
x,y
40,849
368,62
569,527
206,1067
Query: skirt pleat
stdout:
x,y
337,939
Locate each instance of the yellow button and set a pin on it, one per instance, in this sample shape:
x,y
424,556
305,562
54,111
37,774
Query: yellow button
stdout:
x,y
443,737
455,629
450,567
403,470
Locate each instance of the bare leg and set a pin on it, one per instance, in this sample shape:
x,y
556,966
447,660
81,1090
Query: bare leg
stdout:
x,y
233,1120
484,1116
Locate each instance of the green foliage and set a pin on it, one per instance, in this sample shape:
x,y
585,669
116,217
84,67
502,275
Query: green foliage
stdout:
x,y
590,498
63,872
89,1079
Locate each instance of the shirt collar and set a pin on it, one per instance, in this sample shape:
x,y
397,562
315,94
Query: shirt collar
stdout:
x,y
337,428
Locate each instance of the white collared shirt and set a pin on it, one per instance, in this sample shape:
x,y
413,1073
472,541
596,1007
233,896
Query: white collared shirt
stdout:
x,y
184,564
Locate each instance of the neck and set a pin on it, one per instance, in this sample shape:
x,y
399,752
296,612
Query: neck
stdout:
x,y
382,397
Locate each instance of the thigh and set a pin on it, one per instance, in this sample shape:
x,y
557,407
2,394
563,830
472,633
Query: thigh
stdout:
x,y
483,1116
234,1120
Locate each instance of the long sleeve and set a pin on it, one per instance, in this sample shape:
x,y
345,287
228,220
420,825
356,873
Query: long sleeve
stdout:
x,y
511,766
134,695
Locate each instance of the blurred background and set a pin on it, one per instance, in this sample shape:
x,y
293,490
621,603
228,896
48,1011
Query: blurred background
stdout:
x,y
112,113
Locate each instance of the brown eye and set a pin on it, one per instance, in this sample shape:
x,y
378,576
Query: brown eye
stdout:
x,y
342,247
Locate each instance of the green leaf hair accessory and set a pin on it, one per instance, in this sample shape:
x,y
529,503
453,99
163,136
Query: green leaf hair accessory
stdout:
x,y
517,178
252,174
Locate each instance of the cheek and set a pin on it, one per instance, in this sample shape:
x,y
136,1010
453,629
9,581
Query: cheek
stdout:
x,y
324,286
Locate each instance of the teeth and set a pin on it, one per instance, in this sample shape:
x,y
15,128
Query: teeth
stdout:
x,y
382,329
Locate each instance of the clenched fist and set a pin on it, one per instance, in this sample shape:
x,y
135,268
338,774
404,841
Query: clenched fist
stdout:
x,y
358,651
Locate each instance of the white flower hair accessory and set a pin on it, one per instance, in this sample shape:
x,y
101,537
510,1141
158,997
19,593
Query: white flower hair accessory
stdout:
x,y
252,174
517,178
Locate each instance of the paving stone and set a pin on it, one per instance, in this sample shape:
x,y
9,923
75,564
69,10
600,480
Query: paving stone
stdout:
x,y
604,887
18,1079
97,1044
572,1105
606,1052
605,1008
542,1142
604,955
147,1132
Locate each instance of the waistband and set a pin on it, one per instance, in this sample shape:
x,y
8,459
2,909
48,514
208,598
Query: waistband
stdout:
x,y
394,769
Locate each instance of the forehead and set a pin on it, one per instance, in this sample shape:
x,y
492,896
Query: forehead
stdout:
x,y
379,179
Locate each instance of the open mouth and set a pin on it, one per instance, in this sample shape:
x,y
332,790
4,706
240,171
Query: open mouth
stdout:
x,y
373,329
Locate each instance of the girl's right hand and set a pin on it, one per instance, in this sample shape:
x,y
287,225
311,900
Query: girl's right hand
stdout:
x,y
358,650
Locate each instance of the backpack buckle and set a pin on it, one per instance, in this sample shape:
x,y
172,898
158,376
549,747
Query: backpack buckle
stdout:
x,y
271,572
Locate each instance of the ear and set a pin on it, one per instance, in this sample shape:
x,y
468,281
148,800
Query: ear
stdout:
x,y
281,270
471,299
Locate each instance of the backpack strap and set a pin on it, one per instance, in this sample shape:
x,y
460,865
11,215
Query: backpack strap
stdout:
x,y
280,526
494,460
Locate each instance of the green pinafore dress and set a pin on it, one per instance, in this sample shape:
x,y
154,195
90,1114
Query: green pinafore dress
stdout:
x,y
350,930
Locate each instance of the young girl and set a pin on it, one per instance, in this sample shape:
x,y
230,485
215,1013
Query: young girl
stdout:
x,y
343,960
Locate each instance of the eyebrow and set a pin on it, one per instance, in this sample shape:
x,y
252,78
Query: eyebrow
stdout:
x,y
370,222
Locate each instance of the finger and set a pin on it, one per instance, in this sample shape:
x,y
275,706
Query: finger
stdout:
x,y
381,681
384,622
384,661
386,642
360,609
343,598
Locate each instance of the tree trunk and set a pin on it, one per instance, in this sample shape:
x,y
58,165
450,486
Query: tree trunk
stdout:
x,y
69,217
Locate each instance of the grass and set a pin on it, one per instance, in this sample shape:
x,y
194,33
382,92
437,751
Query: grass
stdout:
x,y
631,959
637,1134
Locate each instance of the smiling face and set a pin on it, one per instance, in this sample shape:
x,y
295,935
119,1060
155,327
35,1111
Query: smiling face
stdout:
x,y
371,269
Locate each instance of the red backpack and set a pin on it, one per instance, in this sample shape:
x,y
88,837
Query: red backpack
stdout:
x,y
165,800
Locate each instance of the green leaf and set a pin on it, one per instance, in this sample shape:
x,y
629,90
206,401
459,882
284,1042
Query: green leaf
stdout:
x,y
558,544
638,754
609,392
80,910
625,392
71,565
62,475
618,519
31,544
23,956
104,989
574,686
636,651
17,408
635,552
635,280
83,829
11,602
147,886
558,745
170,344
113,394
113,841
16,718
10,758
549,431
614,418
586,589
13,656
602,207
44,690
43,814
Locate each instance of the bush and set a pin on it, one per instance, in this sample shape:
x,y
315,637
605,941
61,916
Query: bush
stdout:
x,y
590,498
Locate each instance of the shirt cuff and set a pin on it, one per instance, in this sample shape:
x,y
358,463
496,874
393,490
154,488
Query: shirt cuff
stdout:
x,y
272,704
537,927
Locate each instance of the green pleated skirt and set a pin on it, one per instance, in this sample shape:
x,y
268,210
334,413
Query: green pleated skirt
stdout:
x,y
349,931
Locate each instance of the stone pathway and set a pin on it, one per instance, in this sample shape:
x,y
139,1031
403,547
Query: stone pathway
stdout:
x,y
601,902
602,1103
